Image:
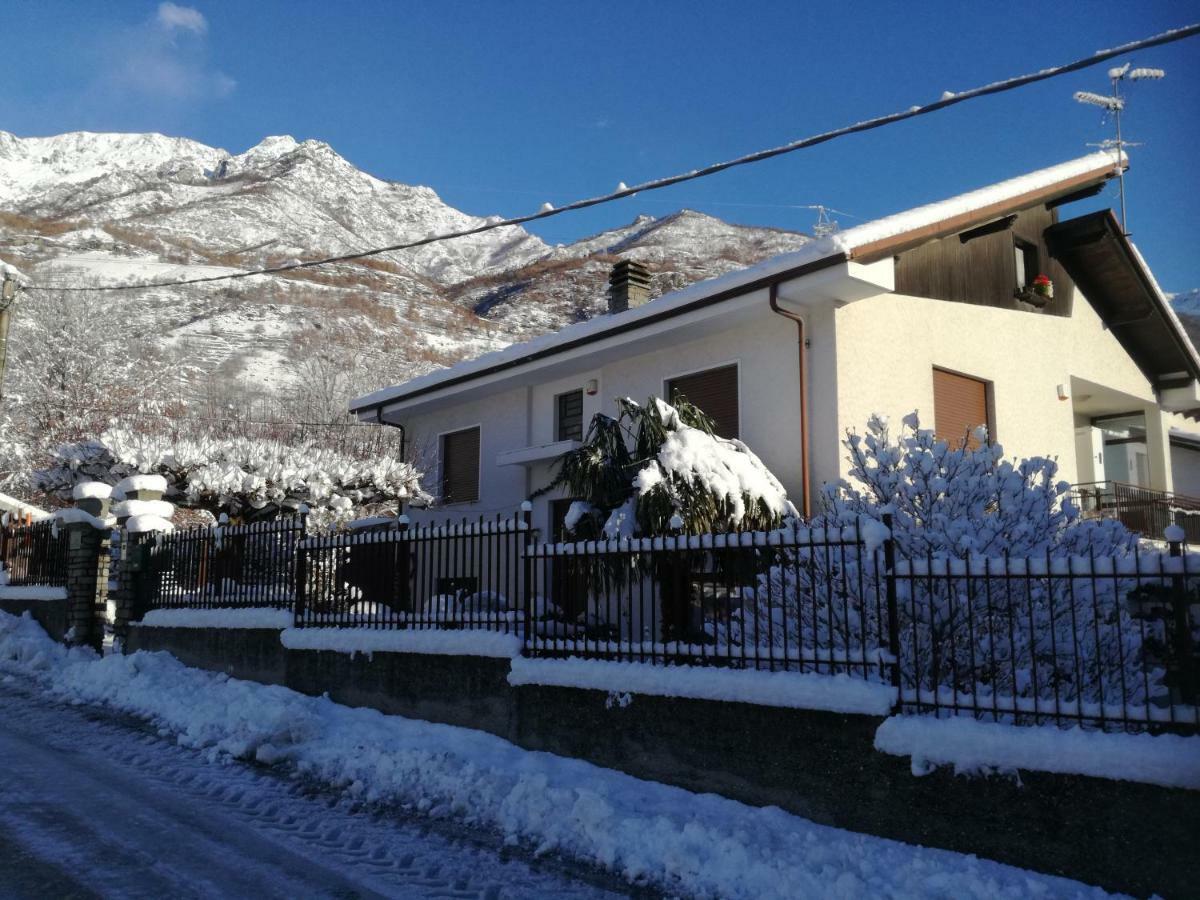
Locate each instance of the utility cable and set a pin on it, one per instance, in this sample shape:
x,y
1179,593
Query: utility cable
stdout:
x,y
948,99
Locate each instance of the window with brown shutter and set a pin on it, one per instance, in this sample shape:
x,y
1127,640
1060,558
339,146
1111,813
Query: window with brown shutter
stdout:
x,y
715,392
570,416
460,466
960,404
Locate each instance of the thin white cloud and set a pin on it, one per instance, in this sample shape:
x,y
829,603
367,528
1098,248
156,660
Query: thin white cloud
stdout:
x,y
173,17
163,59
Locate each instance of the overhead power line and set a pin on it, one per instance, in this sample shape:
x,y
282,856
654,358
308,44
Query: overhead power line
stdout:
x,y
948,99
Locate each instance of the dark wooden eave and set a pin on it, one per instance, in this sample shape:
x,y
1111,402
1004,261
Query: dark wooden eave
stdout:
x,y
1100,260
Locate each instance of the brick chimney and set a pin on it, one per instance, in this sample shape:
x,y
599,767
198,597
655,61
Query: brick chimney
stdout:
x,y
628,286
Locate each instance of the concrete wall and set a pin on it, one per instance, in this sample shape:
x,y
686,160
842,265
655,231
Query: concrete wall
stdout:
x,y
52,615
822,766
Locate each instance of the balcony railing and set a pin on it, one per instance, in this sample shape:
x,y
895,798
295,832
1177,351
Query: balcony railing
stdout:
x,y
1141,509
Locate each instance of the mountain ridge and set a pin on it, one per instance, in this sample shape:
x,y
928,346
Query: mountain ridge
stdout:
x,y
111,207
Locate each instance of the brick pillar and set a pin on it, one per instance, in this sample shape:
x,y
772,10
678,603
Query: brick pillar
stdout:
x,y
125,594
87,583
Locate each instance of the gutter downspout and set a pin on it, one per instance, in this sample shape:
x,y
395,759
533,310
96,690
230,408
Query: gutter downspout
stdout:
x,y
403,445
773,294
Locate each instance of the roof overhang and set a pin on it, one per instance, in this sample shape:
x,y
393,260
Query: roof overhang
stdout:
x,y
1107,268
833,279
840,269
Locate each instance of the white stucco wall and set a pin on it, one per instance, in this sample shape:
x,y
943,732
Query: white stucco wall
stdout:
x,y
888,346
764,347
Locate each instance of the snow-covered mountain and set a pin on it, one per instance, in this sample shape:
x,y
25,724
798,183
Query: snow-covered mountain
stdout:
x,y
1187,306
83,207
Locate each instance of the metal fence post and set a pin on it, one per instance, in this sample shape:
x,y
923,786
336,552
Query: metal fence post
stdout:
x,y
526,545
893,606
300,594
1180,607
401,589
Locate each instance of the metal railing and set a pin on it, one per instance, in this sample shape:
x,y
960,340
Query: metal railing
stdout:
x,y
796,599
224,566
449,576
1107,643
1141,509
34,554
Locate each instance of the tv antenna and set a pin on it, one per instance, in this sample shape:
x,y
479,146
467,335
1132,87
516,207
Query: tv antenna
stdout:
x,y
1115,104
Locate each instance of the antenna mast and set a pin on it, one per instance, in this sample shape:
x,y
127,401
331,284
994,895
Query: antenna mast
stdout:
x,y
1115,104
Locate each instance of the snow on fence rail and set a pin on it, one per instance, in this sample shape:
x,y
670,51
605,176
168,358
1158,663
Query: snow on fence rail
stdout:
x,y
34,554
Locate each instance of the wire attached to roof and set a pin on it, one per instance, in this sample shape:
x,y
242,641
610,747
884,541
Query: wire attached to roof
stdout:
x,y
947,99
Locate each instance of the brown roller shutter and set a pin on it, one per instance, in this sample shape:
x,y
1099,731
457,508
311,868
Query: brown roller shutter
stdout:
x,y
460,466
959,405
715,392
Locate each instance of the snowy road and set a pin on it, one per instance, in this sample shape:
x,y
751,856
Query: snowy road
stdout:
x,y
94,806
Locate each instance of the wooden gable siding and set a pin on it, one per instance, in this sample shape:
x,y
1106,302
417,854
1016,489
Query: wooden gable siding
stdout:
x,y
983,270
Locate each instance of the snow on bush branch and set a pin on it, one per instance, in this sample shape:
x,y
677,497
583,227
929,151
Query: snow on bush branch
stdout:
x,y
1036,639
955,501
239,476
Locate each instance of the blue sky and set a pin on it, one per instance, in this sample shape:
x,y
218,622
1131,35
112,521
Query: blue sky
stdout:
x,y
501,106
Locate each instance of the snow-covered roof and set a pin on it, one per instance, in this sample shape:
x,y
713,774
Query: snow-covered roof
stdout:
x,y
988,202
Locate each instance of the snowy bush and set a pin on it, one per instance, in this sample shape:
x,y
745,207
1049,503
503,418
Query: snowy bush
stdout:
x,y
244,477
678,475
960,514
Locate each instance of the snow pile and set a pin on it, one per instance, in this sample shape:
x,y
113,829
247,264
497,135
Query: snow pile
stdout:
x,y
969,745
91,490
160,508
696,844
146,523
459,642
31,592
727,468
73,516
836,693
140,483
240,617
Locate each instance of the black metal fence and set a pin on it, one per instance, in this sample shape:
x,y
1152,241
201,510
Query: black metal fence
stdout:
x,y
450,576
225,566
1141,509
1102,642
1085,640
34,554
796,599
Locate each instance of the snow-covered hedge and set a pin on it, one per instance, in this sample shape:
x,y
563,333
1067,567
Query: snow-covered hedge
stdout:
x,y
238,476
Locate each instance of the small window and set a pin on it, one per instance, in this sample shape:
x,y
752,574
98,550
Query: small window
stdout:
x,y
570,416
1025,255
715,393
460,466
960,405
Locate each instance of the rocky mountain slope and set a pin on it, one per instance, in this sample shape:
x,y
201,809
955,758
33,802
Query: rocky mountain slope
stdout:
x,y
85,208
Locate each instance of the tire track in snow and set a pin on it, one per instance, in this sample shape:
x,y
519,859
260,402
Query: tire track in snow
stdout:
x,y
298,840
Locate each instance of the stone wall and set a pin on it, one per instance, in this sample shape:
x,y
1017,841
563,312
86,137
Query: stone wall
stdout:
x,y
53,615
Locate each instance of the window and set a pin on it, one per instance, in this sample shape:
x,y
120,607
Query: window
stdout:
x,y
715,392
570,416
960,404
460,466
1025,255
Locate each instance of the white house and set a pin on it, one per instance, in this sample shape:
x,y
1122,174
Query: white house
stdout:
x,y
932,309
